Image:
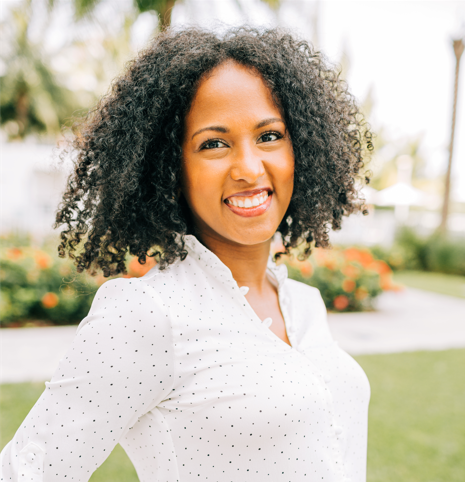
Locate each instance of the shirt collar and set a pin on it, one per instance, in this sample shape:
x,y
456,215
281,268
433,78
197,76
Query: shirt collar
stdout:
x,y
219,270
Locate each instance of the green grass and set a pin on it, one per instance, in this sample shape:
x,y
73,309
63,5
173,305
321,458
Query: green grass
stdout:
x,y
416,421
445,284
417,416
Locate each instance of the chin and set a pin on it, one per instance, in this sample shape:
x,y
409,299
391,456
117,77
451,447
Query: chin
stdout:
x,y
251,237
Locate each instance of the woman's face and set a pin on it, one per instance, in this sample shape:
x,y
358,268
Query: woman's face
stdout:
x,y
238,162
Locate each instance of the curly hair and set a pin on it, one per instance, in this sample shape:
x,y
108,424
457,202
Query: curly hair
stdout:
x,y
122,194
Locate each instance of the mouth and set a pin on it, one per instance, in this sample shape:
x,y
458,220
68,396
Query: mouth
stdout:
x,y
253,204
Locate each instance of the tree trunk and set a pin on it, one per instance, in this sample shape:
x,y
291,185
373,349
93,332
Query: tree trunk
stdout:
x,y
165,14
458,50
22,111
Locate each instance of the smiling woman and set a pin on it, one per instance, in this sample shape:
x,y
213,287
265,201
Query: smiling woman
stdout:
x,y
214,365
242,164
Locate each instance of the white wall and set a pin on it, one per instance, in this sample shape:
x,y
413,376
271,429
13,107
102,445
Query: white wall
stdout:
x,y
31,184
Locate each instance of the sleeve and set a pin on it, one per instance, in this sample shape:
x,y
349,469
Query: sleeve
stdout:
x,y
118,367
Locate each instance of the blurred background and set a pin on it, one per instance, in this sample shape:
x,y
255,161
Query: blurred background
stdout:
x,y
394,283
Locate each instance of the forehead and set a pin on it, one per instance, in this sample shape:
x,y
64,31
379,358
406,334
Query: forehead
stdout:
x,y
232,92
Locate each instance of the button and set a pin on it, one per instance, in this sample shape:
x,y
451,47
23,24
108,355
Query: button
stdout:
x,y
338,429
244,290
267,322
30,457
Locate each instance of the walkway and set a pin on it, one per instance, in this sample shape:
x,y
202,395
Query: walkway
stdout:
x,y
410,320
406,321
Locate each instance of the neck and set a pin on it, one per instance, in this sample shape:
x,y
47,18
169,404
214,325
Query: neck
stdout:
x,y
248,263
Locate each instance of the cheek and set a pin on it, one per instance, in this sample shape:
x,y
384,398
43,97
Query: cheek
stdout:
x,y
285,174
202,184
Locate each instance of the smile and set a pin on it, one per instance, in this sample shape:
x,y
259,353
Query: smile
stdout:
x,y
248,206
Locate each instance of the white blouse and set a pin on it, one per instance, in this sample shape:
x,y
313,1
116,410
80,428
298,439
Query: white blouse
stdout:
x,y
178,368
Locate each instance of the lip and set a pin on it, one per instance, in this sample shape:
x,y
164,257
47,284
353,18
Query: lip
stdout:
x,y
251,193
251,212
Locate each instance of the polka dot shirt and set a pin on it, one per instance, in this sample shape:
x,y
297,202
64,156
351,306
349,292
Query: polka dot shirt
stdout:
x,y
178,369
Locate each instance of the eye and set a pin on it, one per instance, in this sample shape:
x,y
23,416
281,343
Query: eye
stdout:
x,y
213,144
270,137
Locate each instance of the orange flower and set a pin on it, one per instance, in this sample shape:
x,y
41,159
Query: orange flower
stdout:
x,y
365,258
49,300
14,254
136,269
361,293
330,264
348,285
341,302
43,260
306,269
381,267
352,254
362,256
351,271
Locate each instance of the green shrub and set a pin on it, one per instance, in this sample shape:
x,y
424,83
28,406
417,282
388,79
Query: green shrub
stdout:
x,y
445,256
37,285
435,253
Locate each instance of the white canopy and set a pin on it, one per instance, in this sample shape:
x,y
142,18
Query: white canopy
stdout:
x,y
400,194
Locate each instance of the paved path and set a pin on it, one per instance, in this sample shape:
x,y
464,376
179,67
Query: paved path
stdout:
x,y
406,321
410,320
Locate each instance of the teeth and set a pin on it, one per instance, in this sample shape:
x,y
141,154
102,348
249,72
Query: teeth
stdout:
x,y
249,201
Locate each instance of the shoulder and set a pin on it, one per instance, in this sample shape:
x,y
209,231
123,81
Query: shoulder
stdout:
x,y
135,291
125,300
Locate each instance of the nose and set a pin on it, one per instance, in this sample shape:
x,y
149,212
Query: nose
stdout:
x,y
247,165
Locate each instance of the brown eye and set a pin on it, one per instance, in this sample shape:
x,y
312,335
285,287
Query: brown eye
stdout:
x,y
213,144
270,137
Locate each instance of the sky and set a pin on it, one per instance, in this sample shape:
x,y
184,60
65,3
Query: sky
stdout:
x,y
400,50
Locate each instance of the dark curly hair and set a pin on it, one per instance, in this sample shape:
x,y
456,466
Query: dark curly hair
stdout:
x,y
122,195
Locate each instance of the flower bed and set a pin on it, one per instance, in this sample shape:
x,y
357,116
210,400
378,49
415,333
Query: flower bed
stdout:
x,y
348,279
38,288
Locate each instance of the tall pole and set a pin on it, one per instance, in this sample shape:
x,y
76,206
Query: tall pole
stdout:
x,y
458,50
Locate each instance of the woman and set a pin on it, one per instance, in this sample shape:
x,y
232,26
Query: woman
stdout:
x,y
214,365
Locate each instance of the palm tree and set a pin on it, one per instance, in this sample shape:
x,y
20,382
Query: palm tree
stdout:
x,y
163,8
31,98
458,51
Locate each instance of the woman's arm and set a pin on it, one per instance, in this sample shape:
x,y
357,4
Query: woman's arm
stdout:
x,y
118,367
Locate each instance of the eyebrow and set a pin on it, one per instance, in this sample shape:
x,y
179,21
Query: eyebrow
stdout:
x,y
224,130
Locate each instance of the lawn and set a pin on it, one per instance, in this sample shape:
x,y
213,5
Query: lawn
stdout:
x,y
416,429
417,416
445,284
